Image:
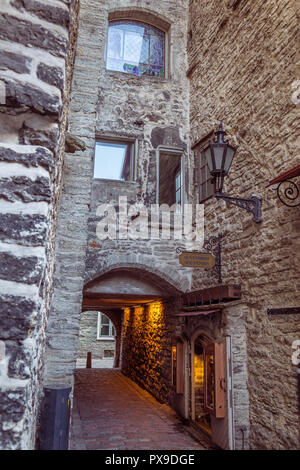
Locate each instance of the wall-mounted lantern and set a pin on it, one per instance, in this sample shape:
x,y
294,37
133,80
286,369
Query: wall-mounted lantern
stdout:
x,y
219,156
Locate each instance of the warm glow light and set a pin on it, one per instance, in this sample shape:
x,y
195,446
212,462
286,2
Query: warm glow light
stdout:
x,y
199,370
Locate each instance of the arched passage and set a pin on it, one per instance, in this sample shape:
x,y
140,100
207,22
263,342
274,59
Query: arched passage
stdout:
x,y
135,299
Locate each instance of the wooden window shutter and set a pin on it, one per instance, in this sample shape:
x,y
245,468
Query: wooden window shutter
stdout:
x,y
214,378
219,380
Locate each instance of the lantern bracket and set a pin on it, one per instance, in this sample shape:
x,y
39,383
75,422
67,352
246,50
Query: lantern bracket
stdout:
x,y
252,205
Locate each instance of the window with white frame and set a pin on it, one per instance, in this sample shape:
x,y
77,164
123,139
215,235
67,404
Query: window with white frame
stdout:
x,y
105,328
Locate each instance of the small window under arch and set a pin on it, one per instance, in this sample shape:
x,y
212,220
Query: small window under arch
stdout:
x,y
136,48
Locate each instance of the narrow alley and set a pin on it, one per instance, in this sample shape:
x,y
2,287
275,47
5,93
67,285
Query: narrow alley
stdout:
x,y
112,412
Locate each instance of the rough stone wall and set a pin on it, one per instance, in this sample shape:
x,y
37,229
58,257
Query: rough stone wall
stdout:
x,y
63,325
146,109
37,42
147,336
151,112
242,70
88,341
146,348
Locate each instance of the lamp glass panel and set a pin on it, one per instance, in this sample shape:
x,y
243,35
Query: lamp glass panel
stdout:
x,y
218,152
229,157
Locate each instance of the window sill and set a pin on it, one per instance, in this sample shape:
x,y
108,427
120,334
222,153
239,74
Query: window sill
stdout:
x,y
107,180
131,76
106,338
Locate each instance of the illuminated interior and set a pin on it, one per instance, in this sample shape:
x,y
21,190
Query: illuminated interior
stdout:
x,y
202,416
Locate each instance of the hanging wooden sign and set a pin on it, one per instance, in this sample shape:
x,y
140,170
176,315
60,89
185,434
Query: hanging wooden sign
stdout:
x,y
192,259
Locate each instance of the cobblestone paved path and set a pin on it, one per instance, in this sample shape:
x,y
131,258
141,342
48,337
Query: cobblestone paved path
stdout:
x,y
112,412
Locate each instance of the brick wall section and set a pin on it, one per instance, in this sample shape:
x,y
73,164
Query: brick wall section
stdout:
x,y
37,41
242,66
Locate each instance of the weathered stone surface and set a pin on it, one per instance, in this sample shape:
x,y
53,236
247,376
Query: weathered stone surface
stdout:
x,y
21,94
167,136
73,144
27,270
24,229
43,138
16,313
52,75
24,189
16,62
39,157
42,32
50,13
31,34
241,70
12,409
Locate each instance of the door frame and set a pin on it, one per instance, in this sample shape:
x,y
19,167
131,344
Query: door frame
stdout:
x,y
229,383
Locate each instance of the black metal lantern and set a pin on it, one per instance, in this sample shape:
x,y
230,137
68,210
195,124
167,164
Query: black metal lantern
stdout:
x,y
219,156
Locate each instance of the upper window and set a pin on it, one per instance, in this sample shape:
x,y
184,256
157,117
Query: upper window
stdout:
x,y
136,48
206,189
170,178
114,161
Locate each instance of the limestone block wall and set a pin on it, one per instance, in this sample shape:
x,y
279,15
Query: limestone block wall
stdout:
x,y
242,70
152,112
148,333
148,110
63,325
146,348
37,42
157,256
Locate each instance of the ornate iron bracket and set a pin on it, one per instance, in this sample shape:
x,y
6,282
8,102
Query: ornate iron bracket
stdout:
x,y
289,193
252,205
213,244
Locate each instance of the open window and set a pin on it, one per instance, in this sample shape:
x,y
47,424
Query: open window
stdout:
x,y
203,176
170,179
114,160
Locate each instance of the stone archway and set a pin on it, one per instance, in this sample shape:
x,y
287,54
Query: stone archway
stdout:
x,y
168,274
126,285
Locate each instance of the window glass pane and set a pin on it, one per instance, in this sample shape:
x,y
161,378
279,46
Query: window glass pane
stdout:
x,y
203,191
135,48
104,330
115,43
210,188
112,161
104,319
178,181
